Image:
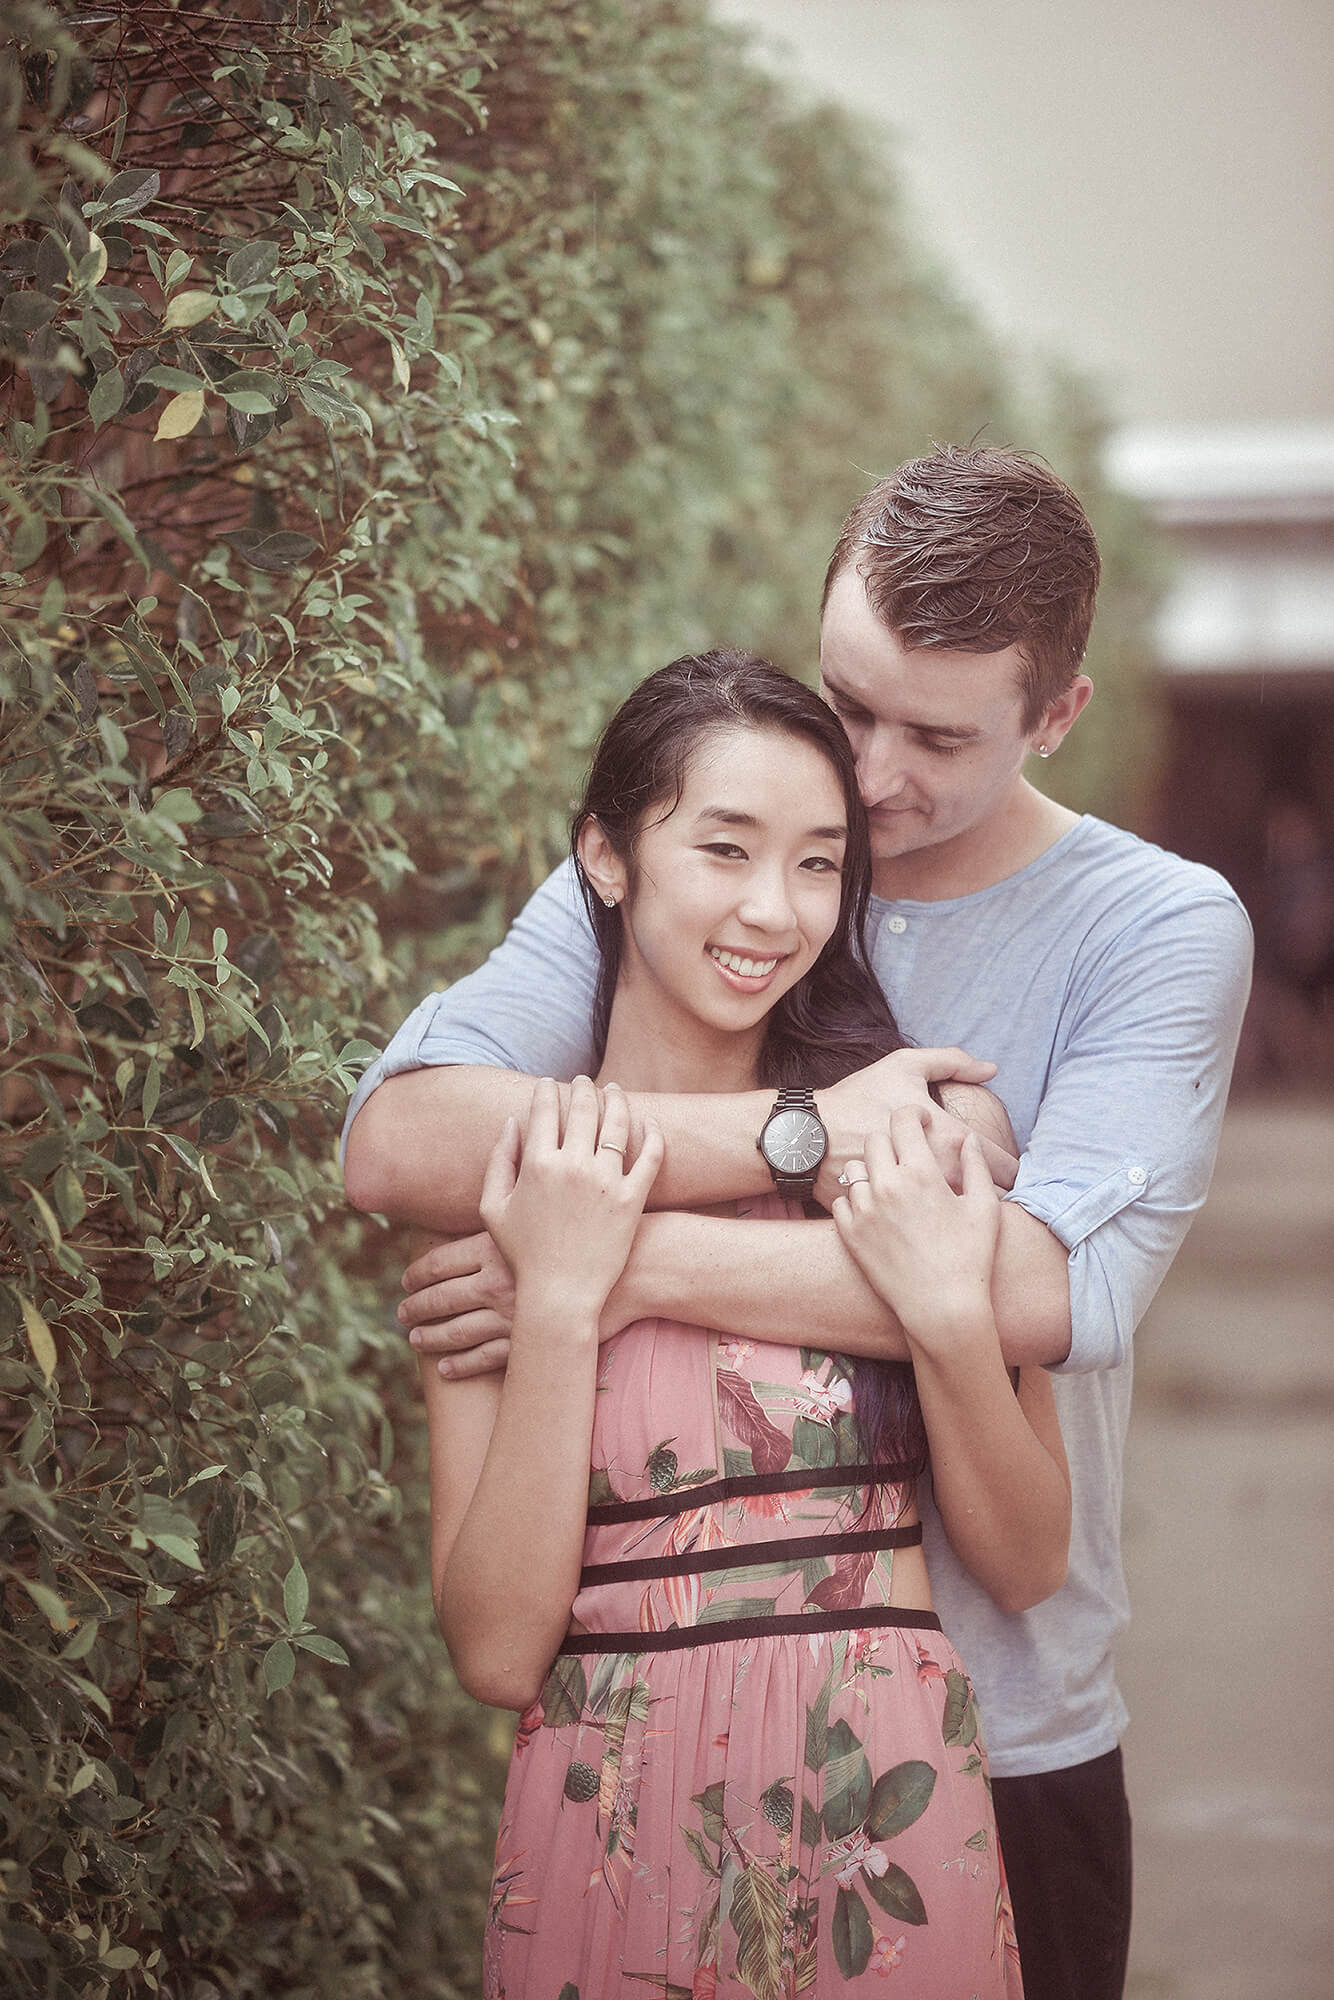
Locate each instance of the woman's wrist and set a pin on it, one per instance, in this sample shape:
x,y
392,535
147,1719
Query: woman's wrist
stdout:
x,y
952,1330
557,1307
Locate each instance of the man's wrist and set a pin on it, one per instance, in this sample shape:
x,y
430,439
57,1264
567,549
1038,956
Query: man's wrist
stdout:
x,y
711,1156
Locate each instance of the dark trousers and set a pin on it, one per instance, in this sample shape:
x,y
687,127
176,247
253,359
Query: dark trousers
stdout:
x,y
1065,1839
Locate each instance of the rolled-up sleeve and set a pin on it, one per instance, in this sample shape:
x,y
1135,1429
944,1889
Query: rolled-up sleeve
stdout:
x,y
528,1008
1123,1149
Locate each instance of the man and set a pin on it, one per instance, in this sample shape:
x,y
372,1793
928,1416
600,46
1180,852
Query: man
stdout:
x,y
1107,981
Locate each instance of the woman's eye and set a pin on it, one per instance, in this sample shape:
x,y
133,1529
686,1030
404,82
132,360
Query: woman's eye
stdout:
x,y
821,864
725,849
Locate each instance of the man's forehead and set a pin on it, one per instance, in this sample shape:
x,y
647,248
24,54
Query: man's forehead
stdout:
x,y
865,662
961,693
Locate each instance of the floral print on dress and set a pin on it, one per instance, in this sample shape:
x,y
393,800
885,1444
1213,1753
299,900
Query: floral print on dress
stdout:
x,y
744,1812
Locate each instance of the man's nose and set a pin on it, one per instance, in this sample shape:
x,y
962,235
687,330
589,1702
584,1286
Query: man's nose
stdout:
x,y
880,772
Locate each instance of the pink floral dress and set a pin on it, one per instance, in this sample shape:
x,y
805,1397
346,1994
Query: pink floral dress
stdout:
x,y
750,1774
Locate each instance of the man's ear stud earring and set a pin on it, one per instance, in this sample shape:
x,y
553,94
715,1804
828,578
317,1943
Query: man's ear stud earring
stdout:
x,y
1043,751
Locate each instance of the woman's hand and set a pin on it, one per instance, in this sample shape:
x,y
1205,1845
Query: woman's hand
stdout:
x,y
926,1249
561,1206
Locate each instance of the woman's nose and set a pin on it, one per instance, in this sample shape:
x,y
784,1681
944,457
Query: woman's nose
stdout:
x,y
767,905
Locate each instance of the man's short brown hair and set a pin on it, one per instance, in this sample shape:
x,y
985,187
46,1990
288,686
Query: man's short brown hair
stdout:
x,y
976,550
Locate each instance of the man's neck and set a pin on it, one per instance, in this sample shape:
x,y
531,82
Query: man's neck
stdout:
x,y
979,858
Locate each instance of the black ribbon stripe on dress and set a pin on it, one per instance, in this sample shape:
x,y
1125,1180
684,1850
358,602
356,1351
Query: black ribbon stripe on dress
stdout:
x,y
750,1555
720,1630
660,1506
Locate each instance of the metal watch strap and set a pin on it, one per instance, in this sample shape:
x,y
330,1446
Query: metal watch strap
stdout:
x,y
794,1098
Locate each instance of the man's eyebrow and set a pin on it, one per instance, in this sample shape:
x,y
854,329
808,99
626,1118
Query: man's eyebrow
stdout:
x,y
728,816
962,732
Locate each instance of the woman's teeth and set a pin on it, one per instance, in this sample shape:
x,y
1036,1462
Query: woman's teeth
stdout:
x,y
745,968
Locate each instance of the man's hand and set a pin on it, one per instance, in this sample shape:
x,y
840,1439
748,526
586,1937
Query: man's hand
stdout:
x,y
460,1306
865,1102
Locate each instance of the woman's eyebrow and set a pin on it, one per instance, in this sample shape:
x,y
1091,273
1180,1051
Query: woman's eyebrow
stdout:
x,y
728,816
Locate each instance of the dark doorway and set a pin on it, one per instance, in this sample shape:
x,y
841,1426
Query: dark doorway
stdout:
x,y
1248,788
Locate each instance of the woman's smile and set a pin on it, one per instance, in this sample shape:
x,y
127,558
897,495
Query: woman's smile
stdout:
x,y
748,972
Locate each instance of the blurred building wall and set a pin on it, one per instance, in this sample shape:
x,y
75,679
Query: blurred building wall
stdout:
x,y
1146,190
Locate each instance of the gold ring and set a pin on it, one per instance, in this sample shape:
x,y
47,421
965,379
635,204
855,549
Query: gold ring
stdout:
x,y
605,1146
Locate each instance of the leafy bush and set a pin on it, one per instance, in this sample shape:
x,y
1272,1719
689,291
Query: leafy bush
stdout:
x,y
386,389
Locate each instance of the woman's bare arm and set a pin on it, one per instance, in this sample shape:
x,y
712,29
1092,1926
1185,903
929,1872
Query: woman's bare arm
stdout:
x,y
510,1458
998,1468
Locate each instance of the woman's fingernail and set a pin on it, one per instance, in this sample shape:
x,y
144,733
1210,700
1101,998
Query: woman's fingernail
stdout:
x,y
414,1338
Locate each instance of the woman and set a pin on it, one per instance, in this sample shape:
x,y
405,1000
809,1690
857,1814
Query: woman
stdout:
x,y
749,1761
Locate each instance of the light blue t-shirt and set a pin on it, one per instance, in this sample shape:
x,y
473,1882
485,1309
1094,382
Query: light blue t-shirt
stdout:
x,y
1107,981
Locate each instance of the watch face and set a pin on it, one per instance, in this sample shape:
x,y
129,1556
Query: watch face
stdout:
x,y
794,1142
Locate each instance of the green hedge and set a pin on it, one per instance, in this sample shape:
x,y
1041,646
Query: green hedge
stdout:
x,y
386,388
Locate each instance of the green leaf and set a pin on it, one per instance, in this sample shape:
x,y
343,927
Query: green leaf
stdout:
x,y
279,1666
164,377
177,1547
152,1090
279,551
126,194
323,1649
852,1933
27,541
187,309
106,396
332,409
50,1602
39,1338
898,1798
69,1197
896,1893
296,1593
178,805
250,402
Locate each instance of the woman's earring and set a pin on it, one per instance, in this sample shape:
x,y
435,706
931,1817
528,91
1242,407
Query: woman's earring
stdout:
x,y
610,901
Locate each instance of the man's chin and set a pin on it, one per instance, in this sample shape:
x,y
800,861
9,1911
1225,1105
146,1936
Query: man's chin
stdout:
x,y
895,833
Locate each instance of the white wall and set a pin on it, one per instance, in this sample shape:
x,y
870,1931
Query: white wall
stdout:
x,y
1145,188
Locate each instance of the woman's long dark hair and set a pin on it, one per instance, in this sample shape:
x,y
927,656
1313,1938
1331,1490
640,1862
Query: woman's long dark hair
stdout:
x,y
835,1019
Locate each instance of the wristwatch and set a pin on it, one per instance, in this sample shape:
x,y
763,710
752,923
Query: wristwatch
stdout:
x,y
793,1142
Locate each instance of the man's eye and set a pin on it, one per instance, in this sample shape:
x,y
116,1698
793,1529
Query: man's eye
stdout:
x,y
939,749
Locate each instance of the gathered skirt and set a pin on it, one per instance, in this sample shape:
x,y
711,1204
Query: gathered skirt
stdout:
x,y
758,1815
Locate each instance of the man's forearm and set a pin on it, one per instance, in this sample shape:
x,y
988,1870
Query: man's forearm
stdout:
x,y
794,1283
417,1150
